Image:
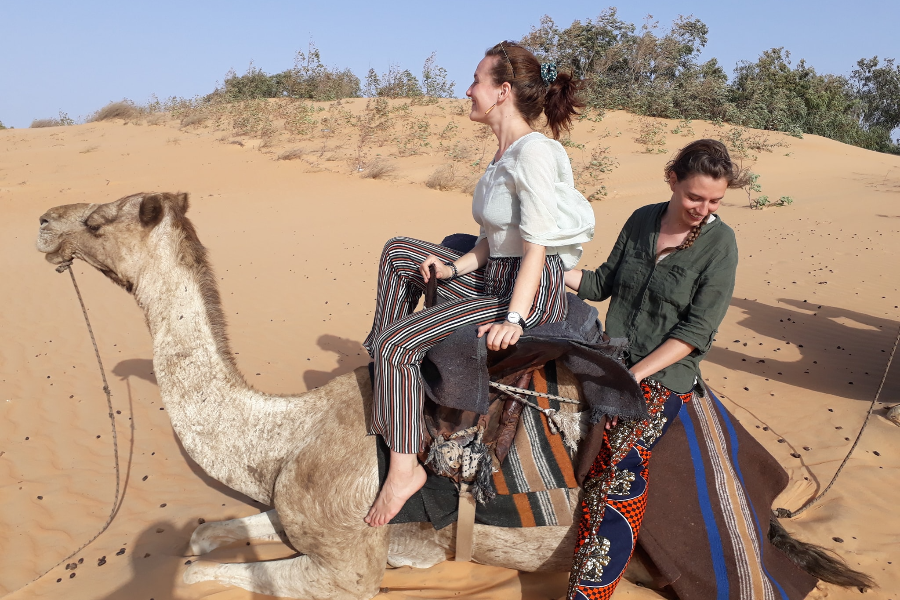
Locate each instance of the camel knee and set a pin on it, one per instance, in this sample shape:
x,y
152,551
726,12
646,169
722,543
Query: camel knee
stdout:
x,y
209,536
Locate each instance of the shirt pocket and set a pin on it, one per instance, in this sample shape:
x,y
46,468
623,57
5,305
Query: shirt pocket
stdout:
x,y
632,272
675,285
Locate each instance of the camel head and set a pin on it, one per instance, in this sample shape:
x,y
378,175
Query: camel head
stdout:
x,y
120,237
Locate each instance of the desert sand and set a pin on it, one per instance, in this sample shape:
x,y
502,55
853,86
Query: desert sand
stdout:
x,y
295,243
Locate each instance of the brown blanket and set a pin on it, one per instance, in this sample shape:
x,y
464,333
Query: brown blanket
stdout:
x,y
711,491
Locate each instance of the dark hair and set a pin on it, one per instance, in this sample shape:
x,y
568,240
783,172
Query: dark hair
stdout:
x,y
705,157
702,157
558,101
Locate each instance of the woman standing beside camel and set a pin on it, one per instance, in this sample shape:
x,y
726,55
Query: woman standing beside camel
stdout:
x,y
669,279
533,222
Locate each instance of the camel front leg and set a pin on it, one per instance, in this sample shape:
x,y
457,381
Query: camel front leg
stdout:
x,y
303,577
209,536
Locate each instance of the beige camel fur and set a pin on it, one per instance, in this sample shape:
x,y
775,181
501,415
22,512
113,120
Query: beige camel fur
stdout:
x,y
308,455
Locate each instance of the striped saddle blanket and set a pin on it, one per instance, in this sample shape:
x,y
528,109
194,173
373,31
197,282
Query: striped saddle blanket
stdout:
x,y
535,484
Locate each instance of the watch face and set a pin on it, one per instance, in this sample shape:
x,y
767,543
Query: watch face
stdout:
x,y
514,318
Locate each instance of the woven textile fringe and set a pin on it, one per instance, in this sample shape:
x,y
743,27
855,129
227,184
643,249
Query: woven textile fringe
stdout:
x,y
566,423
483,488
437,455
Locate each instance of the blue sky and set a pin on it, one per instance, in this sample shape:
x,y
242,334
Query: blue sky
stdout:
x,y
77,56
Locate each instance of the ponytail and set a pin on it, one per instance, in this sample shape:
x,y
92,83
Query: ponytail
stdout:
x,y
537,91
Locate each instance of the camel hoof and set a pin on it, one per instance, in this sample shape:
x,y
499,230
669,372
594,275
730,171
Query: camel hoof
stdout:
x,y
204,540
893,414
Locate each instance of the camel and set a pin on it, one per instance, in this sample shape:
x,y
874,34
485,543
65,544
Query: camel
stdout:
x,y
307,455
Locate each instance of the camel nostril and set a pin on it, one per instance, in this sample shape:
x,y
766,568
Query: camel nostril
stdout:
x,y
44,221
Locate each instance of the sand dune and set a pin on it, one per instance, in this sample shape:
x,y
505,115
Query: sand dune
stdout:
x,y
800,355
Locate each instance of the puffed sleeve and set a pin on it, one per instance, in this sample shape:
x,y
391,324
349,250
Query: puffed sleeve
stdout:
x,y
553,213
535,179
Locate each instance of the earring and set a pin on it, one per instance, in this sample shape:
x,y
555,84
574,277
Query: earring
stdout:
x,y
490,109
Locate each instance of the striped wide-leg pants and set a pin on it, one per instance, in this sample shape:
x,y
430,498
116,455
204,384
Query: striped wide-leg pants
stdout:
x,y
400,337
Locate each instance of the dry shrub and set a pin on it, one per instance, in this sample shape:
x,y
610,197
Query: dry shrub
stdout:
x,y
193,119
157,119
61,121
651,135
461,108
174,141
292,154
467,186
116,110
443,178
267,141
378,169
743,142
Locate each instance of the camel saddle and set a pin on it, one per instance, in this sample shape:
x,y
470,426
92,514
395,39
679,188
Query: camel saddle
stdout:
x,y
471,424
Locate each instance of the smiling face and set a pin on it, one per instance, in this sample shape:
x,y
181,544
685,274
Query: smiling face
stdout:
x,y
483,91
695,198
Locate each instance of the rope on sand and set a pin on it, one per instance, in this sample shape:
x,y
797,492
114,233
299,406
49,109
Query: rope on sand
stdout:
x,y
783,512
66,266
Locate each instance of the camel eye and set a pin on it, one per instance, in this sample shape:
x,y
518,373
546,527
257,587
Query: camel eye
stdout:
x,y
93,228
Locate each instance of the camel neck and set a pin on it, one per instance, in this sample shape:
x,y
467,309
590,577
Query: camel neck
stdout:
x,y
231,430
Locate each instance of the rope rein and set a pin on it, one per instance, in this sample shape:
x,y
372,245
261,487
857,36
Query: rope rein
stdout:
x,y
508,388
112,420
783,512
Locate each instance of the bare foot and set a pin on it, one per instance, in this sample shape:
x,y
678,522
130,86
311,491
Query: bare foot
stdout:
x,y
397,489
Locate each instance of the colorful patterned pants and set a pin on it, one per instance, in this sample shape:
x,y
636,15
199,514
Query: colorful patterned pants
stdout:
x,y
400,337
615,496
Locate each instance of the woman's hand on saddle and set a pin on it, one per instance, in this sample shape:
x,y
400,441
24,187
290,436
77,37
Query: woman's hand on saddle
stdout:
x,y
442,270
500,335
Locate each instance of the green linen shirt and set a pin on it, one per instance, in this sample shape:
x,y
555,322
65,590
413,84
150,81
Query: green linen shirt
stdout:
x,y
683,296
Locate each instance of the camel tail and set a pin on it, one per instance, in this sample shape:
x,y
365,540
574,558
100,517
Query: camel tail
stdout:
x,y
819,562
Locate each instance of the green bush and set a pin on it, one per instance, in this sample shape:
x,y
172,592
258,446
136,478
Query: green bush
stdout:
x,y
395,83
309,79
657,72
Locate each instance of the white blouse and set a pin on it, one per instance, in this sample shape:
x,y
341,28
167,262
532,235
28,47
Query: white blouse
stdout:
x,y
529,194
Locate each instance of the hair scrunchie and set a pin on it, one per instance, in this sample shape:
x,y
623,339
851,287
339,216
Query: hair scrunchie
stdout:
x,y
548,72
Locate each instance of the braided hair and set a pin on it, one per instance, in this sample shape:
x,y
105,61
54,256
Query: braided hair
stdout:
x,y
701,157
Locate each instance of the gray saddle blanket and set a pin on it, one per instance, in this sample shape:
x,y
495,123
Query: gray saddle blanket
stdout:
x,y
456,372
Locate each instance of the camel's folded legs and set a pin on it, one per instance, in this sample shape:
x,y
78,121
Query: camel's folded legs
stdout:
x,y
300,577
209,536
418,545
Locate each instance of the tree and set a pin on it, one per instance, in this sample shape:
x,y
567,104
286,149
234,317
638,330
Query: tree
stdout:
x,y
878,90
434,80
396,83
311,79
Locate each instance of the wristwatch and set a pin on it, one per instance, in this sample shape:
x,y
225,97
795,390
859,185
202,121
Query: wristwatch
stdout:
x,y
516,319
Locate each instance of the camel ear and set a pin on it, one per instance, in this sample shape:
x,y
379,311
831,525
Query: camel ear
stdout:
x,y
181,202
151,211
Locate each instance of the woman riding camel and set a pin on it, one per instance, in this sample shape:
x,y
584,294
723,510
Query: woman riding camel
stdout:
x,y
533,222
669,279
